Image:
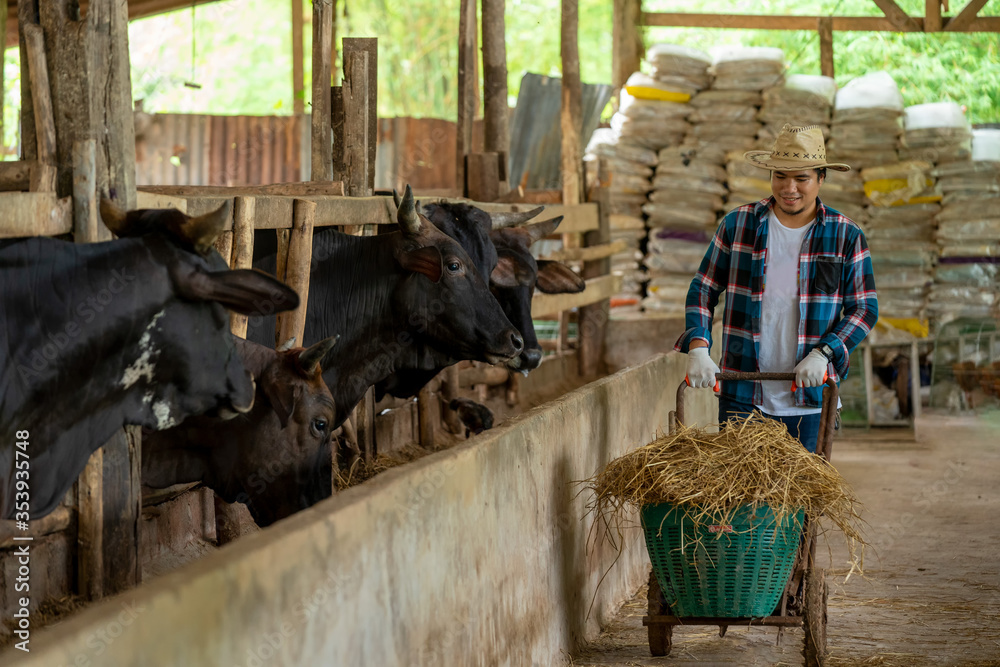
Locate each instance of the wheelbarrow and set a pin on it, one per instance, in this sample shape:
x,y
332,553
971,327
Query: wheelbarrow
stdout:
x,y
803,602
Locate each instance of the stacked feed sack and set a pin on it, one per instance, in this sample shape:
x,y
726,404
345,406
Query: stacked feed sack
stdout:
x,y
629,171
900,235
650,114
845,192
867,122
967,278
937,132
804,100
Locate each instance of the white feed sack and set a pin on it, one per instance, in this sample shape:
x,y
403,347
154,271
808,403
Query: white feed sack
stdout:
x,y
867,122
937,132
747,67
681,68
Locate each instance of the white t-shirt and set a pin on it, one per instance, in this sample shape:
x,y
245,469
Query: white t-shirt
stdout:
x,y
779,316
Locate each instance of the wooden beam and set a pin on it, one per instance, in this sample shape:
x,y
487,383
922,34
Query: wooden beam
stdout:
x,y
897,16
763,22
356,123
491,376
965,17
35,214
571,114
56,521
468,86
826,47
297,269
16,176
322,32
242,258
27,14
626,40
597,290
368,45
496,119
587,254
592,320
41,99
932,18
301,189
483,176
298,60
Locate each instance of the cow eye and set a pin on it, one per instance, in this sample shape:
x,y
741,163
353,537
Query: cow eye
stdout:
x,y
454,266
320,425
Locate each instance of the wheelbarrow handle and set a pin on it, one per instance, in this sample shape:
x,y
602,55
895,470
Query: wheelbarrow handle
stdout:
x,y
827,421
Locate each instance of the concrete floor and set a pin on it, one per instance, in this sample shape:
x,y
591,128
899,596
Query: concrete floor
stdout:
x,y
930,593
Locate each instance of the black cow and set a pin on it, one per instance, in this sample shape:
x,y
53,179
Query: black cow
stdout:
x,y
275,458
398,300
97,336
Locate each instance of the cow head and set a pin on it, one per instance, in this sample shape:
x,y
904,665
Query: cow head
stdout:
x,y
285,462
185,362
516,276
454,311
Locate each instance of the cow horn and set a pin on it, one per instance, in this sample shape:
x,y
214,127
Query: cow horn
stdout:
x,y
395,198
202,231
287,345
504,219
406,214
311,358
114,218
540,230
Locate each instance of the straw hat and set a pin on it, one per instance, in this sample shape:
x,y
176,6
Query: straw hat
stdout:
x,y
795,149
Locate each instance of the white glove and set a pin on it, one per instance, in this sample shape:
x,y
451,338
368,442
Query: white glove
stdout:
x,y
701,369
811,371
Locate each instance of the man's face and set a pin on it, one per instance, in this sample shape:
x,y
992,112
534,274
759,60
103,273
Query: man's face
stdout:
x,y
795,191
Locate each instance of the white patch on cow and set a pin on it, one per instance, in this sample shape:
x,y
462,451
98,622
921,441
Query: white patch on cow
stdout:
x,y
144,365
161,410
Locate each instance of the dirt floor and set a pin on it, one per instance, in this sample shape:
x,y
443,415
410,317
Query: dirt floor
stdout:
x,y
930,594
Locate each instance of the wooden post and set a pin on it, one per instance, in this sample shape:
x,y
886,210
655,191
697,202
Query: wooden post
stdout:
x,y
426,416
483,176
932,15
243,214
592,320
496,119
298,60
3,22
450,390
27,14
293,323
356,128
322,31
337,128
468,87
367,45
915,381
90,485
571,113
866,356
626,42
826,46
45,127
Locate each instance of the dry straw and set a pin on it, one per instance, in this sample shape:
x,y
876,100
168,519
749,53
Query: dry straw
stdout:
x,y
750,461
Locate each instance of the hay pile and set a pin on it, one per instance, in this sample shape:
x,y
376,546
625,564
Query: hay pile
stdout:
x,y
752,461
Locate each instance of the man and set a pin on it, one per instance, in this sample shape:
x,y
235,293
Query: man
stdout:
x,y
789,266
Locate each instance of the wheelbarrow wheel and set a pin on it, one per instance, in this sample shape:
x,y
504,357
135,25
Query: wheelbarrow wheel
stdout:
x,y
660,634
814,618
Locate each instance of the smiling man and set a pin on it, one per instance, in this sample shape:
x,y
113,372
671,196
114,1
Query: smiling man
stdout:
x,y
800,291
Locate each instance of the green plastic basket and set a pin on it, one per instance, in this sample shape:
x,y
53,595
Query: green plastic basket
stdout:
x,y
736,570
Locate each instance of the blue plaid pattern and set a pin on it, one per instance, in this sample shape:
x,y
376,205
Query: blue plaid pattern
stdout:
x,y
835,274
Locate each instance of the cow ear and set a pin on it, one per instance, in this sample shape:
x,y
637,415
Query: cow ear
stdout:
x,y
203,230
557,278
247,291
505,272
426,260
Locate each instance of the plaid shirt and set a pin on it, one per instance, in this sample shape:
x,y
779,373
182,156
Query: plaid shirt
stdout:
x,y
835,271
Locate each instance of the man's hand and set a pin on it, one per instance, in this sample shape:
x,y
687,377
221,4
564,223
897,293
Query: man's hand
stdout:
x,y
701,369
811,371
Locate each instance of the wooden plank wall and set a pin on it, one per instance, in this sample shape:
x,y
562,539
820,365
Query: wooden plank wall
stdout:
x,y
199,149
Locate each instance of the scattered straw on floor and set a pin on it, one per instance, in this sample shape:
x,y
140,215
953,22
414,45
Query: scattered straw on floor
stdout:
x,y
752,461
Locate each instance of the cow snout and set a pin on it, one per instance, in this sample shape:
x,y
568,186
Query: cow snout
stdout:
x,y
517,342
530,358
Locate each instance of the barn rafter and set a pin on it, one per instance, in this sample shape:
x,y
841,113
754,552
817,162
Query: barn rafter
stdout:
x,y
629,19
